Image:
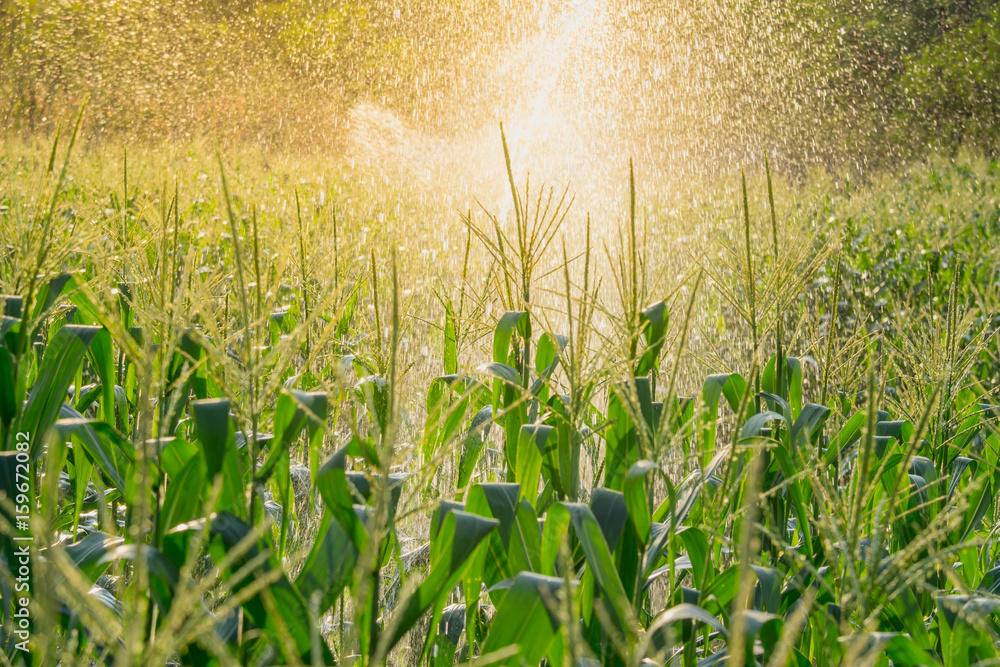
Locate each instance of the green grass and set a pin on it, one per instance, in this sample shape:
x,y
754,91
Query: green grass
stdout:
x,y
280,414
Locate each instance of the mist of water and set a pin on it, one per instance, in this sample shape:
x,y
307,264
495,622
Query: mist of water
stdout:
x,y
417,89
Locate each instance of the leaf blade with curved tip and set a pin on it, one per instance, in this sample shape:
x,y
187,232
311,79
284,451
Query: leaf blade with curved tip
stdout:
x,y
791,383
547,353
698,552
525,550
752,427
509,322
654,320
809,422
496,501
770,584
461,533
610,510
102,360
687,612
214,426
97,443
329,565
338,496
60,362
277,607
89,553
730,385
501,372
848,435
526,619
602,565
479,430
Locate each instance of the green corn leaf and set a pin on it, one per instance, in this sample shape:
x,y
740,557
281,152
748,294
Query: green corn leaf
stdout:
x,y
479,430
654,320
102,358
501,372
508,407
611,512
554,532
89,553
901,430
637,499
175,454
338,495
696,545
906,608
100,442
730,385
163,576
10,328
848,435
903,651
62,358
183,498
602,566
460,535
547,353
279,609
723,588
215,432
9,403
752,427
756,624
450,340
625,403
508,323
445,413
296,410
436,405
47,295
525,551
372,391
438,516
657,636
532,447
82,471
808,424
12,305
500,502
791,380
527,619
347,314
778,404
329,566
562,463
770,581
188,355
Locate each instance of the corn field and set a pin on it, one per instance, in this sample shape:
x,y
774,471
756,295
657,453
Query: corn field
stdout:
x,y
238,432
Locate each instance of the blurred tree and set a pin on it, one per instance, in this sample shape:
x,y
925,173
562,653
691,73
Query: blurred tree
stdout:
x,y
702,80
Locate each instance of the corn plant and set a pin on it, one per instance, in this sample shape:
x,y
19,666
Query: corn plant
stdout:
x,y
217,451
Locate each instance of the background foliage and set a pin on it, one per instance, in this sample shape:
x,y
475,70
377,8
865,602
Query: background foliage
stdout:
x,y
847,83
